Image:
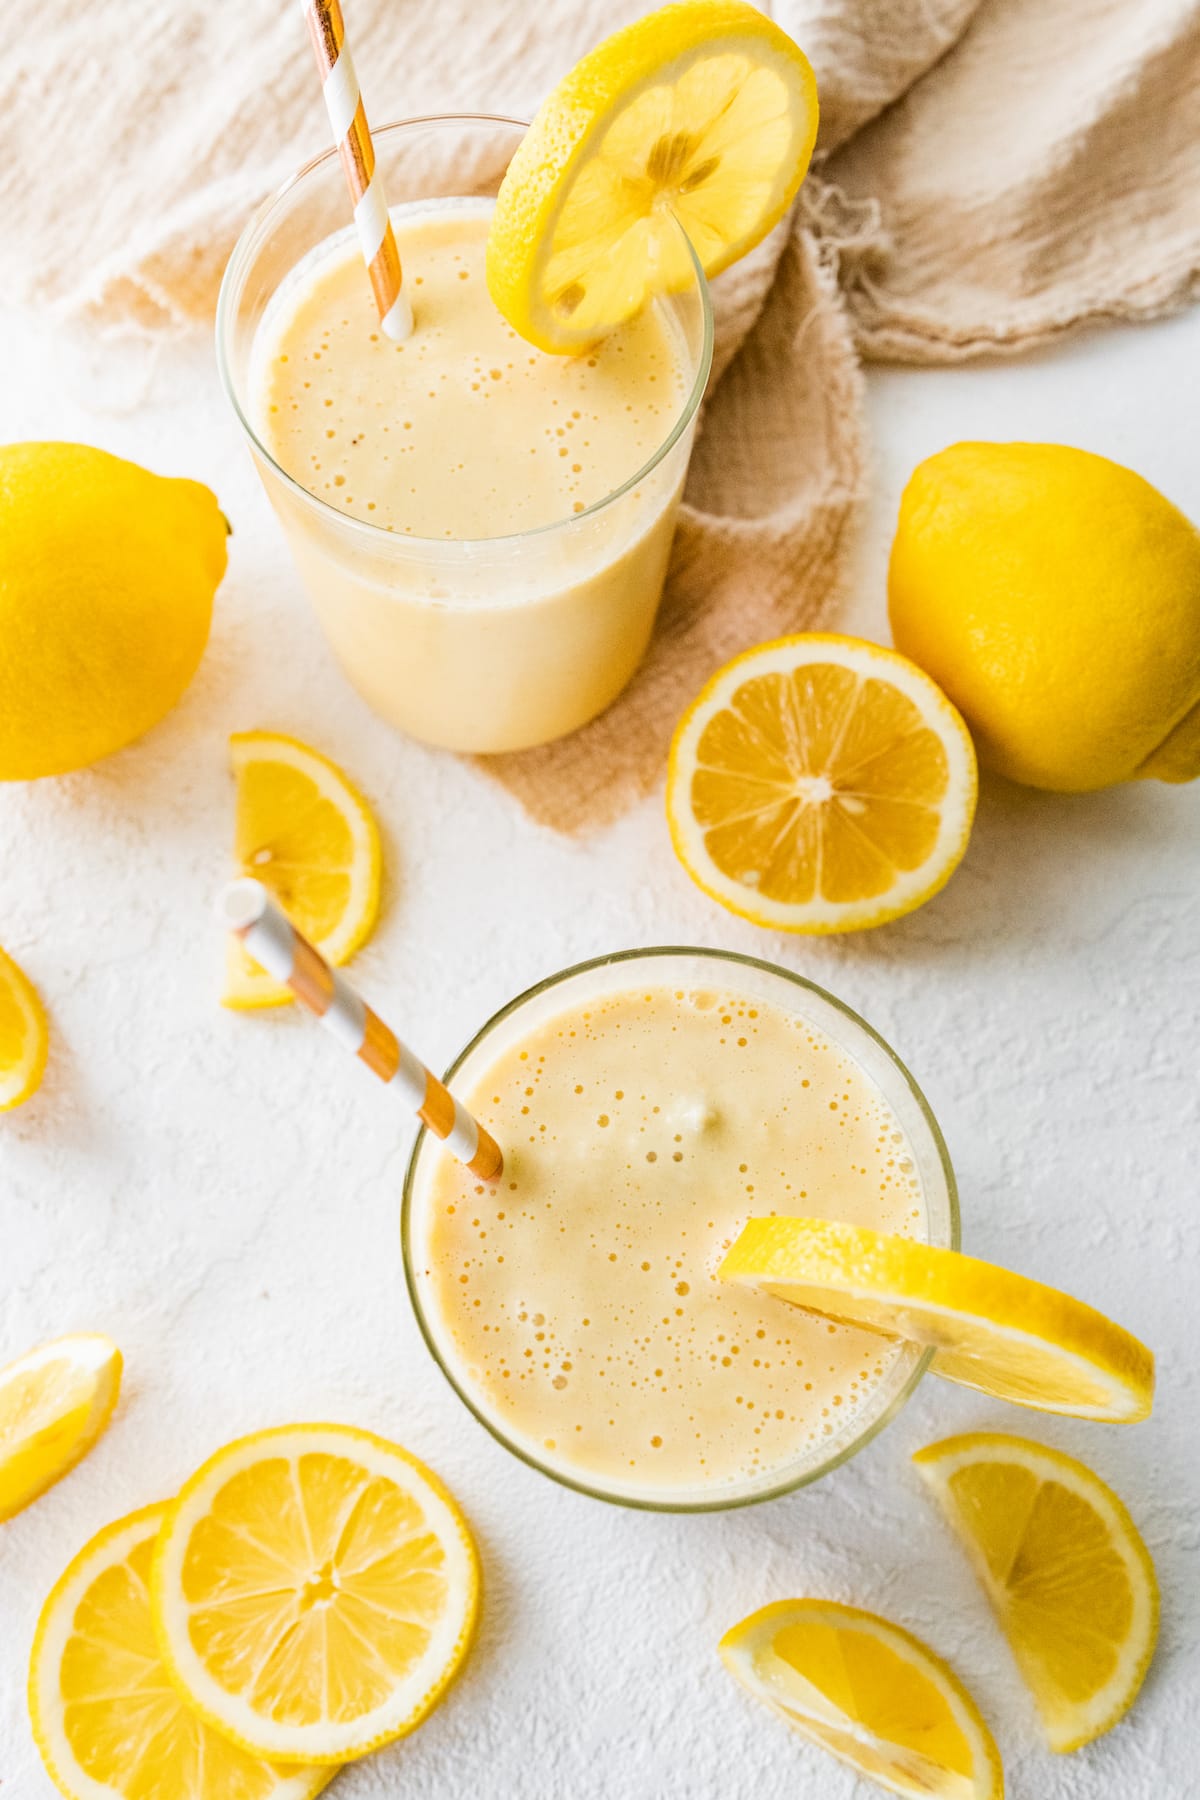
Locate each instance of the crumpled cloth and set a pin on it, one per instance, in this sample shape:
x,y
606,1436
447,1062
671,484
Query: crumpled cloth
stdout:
x,y
989,174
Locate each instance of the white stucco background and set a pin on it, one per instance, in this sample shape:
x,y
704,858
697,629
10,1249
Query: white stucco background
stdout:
x,y
220,1193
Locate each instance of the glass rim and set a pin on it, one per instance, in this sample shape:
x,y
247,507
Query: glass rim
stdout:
x,y
788,1482
239,259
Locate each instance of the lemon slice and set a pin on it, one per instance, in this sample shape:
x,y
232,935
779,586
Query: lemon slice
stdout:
x,y
871,1694
106,1719
1063,1565
703,113
989,1328
821,783
315,1591
24,1036
54,1404
308,835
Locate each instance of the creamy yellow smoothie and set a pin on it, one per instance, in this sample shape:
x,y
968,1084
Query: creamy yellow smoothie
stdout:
x,y
461,436
577,1304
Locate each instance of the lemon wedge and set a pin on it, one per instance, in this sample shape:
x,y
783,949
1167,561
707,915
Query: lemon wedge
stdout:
x,y
821,783
308,835
24,1036
1063,1565
106,1719
989,1328
54,1404
871,1694
701,115
315,1590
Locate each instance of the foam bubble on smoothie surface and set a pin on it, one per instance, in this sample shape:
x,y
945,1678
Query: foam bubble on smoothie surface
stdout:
x,y
581,1299
464,430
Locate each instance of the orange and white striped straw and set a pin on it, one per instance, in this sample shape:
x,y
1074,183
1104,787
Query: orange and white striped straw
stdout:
x,y
247,909
351,135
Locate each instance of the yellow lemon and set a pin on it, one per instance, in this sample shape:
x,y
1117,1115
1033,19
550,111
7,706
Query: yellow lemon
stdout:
x,y
820,783
1056,597
55,1402
106,1718
1065,1569
307,834
701,115
989,1328
871,1694
24,1036
315,1591
107,576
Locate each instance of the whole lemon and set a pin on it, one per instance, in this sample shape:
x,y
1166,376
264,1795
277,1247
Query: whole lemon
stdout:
x,y
1055,596
107,576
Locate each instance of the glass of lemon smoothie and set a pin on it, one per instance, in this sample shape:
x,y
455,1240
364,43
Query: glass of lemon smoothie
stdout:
x,y
649,1103
483,529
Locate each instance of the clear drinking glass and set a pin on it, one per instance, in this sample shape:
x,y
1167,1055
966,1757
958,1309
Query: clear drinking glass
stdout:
x,y
486,645
690,968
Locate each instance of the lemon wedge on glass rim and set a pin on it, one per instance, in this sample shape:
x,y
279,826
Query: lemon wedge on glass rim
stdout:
x,y
304,831
701,115
1065,1569
989,1328
871,1694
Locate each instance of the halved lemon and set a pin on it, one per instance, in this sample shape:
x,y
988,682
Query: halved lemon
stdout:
x,y
871,1694
315,1590
989,1328
24,1036
106,1719
306,833
821,783
701,115
1065,1569
54,1404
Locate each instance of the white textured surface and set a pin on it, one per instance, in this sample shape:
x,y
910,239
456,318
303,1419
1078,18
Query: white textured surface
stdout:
x,y
220,1192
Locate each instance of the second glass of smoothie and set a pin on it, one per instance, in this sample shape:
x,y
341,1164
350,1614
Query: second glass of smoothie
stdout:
x,y
647,1105
483,529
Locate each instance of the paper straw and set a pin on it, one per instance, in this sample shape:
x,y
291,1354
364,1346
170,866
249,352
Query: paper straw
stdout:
x,y
247,909
343,103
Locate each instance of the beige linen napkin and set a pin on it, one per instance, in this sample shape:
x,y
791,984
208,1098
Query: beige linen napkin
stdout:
x,y
990,173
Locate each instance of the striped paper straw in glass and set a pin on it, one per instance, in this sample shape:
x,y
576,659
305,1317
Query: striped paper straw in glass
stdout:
x,y
247,909
343,102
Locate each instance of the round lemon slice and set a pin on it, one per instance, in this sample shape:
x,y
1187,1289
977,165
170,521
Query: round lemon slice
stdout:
x,y
54,1404
1065,1569
703,116
989,1328
871,1694
306,833
315,1590
106,1719
24,1036
821,783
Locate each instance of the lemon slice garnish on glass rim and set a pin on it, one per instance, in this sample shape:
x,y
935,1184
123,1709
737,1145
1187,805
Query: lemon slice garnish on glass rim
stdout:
x,y
307,834
871,1694
1065,1569
701,115
989,1328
